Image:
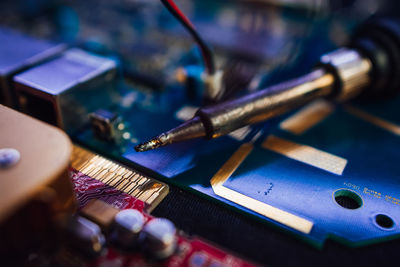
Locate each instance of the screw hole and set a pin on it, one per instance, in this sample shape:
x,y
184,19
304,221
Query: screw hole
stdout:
x,y
348,199
384,221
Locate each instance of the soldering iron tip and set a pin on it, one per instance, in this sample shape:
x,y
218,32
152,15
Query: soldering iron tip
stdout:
x,y
149,145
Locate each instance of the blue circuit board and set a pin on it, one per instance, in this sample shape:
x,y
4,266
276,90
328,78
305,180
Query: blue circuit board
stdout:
x,y
324,171
337,179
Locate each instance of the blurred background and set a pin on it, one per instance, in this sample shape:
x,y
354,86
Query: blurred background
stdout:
x,y
283,38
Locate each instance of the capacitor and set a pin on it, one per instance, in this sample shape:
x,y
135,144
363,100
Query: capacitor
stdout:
x,y
128,225
85,236
160,238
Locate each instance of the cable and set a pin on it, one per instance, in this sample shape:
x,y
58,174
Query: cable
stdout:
x,y
205,50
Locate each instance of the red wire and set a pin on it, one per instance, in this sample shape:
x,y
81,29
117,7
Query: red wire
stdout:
x,y
206,52
179,12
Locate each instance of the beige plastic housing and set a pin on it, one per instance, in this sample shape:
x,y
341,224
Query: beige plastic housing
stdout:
x,y
36,195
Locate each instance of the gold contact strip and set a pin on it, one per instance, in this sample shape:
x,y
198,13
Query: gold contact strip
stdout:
x,y
307,117
153,197
108,177
135,184
132,189
147,194
115,181
129,188
101,175
231,165
137,190
94,171
281,216
131,184
306,154
118,183
384,124
145,189
122,185
278,215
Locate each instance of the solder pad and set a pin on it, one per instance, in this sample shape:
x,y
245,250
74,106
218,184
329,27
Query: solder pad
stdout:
x,y
299,180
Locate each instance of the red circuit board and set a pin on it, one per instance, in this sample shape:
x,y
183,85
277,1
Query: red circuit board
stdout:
x,y
190,251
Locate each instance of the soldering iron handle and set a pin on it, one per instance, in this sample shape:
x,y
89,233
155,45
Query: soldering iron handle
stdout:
x,y
378,39
225,117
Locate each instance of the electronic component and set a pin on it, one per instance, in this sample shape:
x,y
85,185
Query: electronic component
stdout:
x,y
99,212
61,91
160,238
128,226
135,236
17,53
85,236
106,125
